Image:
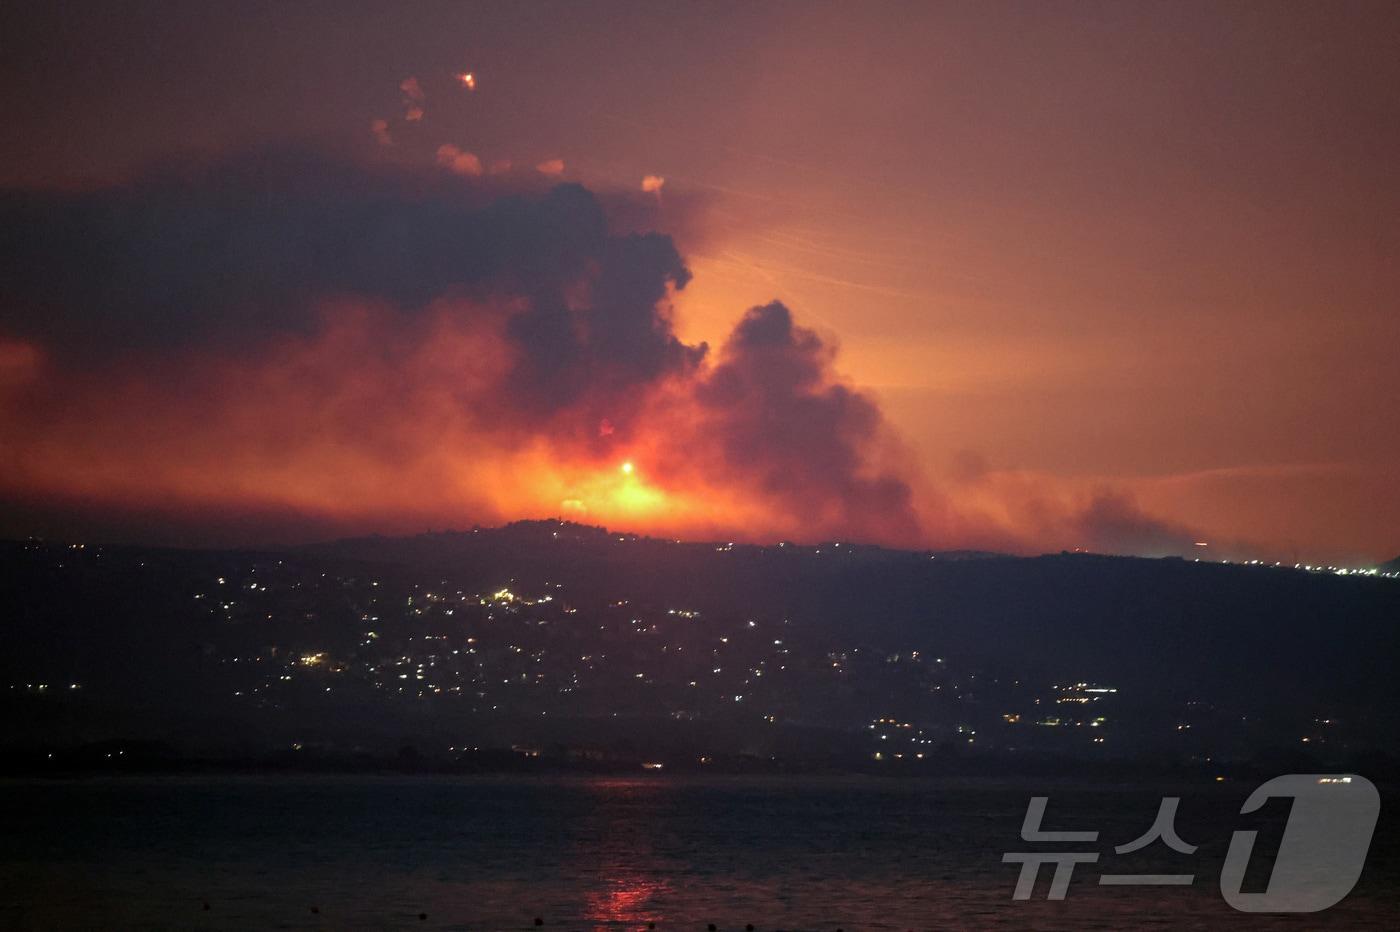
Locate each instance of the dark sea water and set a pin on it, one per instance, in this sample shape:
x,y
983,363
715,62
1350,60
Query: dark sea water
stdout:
x,y
611,853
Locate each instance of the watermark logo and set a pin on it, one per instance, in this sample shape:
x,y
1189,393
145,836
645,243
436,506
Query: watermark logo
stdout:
x,y
1320,858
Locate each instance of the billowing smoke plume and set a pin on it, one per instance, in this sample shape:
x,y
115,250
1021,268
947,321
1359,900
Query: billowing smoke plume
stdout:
x,y
289,333
780,419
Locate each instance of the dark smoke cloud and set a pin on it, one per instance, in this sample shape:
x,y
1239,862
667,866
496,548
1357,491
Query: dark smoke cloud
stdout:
x,y
225,255
321,290
782,421
621,339
1113,523
256,335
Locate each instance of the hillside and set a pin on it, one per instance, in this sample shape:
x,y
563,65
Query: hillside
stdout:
x,y
593,643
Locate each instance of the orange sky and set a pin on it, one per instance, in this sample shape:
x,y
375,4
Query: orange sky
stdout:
x,y
1144,251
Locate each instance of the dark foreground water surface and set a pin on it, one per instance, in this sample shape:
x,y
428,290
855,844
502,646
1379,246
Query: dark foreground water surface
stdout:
x,y
609,853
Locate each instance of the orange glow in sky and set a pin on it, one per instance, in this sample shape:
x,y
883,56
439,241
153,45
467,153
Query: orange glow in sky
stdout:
x,y
1119,281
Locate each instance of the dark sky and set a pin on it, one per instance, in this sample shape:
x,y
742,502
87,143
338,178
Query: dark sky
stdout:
x,y
1113,275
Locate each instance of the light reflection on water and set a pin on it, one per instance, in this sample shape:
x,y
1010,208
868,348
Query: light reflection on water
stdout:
x,y
602,854
622,895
